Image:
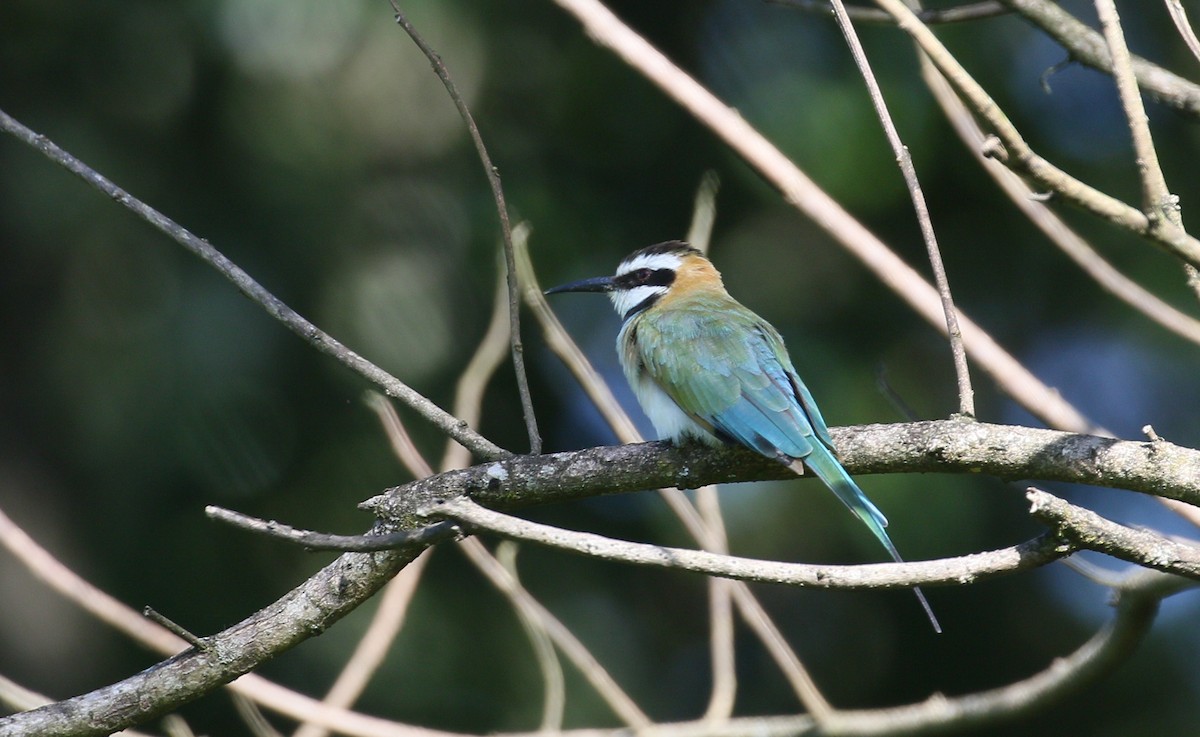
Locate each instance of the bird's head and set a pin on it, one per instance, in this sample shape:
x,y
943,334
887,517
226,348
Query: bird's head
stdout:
x,y
648,275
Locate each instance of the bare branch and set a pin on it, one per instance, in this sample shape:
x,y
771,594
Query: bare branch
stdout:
x,y
420,538
962,570
1136,609
1086,529
1180,19
493,177
604,684
966,395
1088,47
275,307
1161,207
935,16
1059,233
131,623
1023,157
946,446
307,610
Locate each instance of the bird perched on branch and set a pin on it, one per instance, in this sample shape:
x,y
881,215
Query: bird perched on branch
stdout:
x,y
703,366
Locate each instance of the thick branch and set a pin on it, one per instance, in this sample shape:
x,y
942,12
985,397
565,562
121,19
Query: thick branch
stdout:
x,y
1089,530
948,446
302,613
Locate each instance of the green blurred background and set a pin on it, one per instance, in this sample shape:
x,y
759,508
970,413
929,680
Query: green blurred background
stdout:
x,y
309,141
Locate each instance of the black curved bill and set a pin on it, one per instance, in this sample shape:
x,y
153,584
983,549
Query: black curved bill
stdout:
x,y
595,284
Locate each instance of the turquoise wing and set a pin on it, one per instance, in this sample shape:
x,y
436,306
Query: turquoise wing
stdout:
x,y
725,371
729,370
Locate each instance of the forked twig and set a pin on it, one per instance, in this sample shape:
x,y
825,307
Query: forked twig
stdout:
x,y
1054,228
1022,155
1161,207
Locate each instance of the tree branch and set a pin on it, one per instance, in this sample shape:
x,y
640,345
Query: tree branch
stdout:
x,y
1022,155
493,177
302,613
966,395
275,307
1136,608
948,571
1086,529
948,446
1088,47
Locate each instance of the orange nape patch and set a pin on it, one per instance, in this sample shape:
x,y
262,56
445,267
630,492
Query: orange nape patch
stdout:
x,y
694,274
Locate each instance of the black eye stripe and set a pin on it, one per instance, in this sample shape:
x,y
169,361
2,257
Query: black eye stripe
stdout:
x,y
645,278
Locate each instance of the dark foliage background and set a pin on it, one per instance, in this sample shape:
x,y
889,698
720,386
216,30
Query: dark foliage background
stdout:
x,y
309,141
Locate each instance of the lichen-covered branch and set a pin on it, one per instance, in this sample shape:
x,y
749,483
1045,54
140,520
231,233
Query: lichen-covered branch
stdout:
x,y
947,446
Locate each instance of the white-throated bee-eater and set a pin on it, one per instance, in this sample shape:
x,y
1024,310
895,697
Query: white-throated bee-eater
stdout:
x,y
703,366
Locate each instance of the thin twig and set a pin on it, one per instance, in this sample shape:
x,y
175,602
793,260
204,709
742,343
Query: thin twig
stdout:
x,y
591,669
1088,47
801,192
966,395
1054,228
420,538
493,177
1180,19
291,319
966,12
169,624
1022,156
554,701
957,571
1160,206
468,394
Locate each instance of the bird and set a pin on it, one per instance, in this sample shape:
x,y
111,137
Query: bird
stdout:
x,y
704,367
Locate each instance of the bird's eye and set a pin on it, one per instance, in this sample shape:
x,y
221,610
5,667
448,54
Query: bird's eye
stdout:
x,y
642,275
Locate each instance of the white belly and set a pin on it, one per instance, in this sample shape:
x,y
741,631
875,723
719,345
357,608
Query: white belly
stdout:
x,y
670,422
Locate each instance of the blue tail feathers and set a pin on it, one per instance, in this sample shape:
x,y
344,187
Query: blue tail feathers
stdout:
x,y
828,469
